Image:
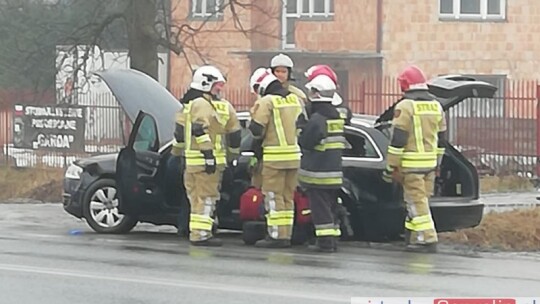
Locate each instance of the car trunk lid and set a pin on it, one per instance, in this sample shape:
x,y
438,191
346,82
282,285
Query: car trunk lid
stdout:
x,y
450,90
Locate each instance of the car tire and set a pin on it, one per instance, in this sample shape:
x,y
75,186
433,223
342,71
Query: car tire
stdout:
x,y
100,208
354,228
302,234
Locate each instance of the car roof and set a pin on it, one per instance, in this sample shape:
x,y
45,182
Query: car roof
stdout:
x,y
358,120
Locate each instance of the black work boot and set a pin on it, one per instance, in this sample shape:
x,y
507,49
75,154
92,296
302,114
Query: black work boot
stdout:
x,y
335,241
183,233
422,248
211,242
273,243
324,244
407,237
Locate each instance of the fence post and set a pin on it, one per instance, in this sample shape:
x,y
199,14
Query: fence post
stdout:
x,y
363,96
537,130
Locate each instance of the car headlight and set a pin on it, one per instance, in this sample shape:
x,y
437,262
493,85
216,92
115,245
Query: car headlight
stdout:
x,y
73,172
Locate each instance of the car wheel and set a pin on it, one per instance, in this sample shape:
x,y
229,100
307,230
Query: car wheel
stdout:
x,y
351,221
100,208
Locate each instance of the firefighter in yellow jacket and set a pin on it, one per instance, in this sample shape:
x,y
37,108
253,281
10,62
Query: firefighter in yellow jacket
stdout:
x,y
207,123
282,66
256,176
416,150
273,125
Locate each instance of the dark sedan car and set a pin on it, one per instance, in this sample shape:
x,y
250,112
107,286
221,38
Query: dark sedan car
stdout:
x,y
143,183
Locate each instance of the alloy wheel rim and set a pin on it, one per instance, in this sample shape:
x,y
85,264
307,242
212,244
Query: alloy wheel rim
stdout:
x,y
104,207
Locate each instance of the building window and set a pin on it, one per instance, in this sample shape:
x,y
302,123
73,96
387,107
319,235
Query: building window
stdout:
x,y
311,8
304,10
289,36
206,9
472,9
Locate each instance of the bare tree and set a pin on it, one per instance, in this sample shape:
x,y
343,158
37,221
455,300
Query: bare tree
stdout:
x,y
142,25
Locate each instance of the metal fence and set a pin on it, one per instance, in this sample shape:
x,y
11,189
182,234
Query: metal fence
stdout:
x,y
106,131
498,135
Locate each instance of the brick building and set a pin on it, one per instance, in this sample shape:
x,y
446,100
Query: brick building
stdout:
x,y
342,33
492,39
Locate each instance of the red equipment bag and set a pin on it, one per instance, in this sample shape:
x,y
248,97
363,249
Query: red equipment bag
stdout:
x,y
301,208
251,205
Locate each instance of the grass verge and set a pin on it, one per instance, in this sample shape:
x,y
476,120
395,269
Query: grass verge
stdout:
x,y
517,230
43,184
511,183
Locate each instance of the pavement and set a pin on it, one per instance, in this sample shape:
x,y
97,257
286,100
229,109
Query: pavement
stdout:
x,y
501,202
47,256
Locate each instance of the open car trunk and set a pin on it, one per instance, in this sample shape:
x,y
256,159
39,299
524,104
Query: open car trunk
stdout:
x,y
458,177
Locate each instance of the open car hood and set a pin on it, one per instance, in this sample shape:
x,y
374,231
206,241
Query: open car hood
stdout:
x,y
450,90
136,91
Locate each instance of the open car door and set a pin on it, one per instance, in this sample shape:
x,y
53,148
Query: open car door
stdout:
x,y
137,167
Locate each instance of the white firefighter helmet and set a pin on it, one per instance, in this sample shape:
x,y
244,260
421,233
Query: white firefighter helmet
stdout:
x,y
321,89
262,78
337,100
281,60
253,80
205,77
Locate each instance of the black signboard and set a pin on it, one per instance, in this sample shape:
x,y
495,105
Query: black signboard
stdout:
x,y
59,128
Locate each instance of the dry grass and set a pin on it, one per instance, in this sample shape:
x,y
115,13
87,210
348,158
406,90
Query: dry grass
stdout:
x,y
515,230
43,184
511,183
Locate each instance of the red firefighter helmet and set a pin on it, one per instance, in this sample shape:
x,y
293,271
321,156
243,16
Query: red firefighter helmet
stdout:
x,y
412,78
321,69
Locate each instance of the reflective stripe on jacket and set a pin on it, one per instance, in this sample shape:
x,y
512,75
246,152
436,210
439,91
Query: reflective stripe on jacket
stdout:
x,y
283,151
322,141
217,119
335,136
420,122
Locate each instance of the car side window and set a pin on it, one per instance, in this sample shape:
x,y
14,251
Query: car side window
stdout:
x,y
146,135
247,138
360,146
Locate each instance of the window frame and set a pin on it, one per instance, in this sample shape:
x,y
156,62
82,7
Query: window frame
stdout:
x,y
456,15
299,15
310,14
358,131
217,15
286,45
140,137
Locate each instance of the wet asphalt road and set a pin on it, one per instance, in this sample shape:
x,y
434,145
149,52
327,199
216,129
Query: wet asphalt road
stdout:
x,y
41,262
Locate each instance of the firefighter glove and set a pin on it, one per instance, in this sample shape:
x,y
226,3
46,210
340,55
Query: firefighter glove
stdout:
x,y
253,162
209,162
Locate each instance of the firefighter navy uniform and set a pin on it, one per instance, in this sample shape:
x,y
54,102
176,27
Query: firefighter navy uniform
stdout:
x,y
322,141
